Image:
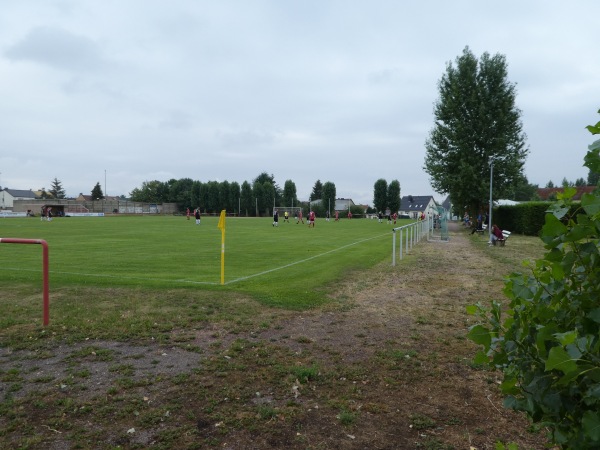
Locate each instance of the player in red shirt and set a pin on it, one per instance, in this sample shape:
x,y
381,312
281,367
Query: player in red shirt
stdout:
x,y
311,219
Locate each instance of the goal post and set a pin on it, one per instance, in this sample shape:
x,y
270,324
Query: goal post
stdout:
x,y
45,271
291,210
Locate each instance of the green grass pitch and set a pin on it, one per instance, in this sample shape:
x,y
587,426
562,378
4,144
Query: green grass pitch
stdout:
x,y
278,266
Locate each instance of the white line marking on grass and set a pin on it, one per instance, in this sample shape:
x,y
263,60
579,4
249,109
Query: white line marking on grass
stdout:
x,y
210,283
306,259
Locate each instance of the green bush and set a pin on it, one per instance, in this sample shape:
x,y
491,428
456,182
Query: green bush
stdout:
x,y
524,218
548,346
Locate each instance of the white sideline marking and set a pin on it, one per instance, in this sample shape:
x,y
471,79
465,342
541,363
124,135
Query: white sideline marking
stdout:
x,y
201,282
304,260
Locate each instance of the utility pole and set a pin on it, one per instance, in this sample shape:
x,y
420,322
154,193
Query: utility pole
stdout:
x,y
491,180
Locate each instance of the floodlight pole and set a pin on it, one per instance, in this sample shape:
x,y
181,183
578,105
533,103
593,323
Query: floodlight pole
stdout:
x,y
491,162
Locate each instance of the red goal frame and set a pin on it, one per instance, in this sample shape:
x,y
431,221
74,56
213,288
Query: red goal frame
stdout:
x,y
45,271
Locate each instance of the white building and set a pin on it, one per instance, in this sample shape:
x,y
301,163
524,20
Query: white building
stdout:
x,y
8,196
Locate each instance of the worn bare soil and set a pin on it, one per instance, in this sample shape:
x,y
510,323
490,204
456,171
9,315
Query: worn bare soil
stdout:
x,y
386,365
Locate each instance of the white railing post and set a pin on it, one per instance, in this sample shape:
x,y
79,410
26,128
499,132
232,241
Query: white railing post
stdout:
x,y
401,235
394,248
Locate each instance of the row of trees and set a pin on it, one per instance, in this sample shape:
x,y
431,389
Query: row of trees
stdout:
x,y
257,198
592,180
248,199
57,191
386,196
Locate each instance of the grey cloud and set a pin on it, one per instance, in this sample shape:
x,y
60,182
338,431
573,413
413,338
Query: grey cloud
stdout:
x,y
245,137
383,76
57,48
177,120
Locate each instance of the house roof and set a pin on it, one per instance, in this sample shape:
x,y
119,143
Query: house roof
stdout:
x,y
415,202
544,193
447,204
22,193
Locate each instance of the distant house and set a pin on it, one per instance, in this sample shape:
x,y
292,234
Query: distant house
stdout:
x,y
42,194
447,205
88,198
413,205
343,204
84,198
8,196
546,193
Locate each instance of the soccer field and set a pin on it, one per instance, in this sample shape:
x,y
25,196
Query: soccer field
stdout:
x,y
166,252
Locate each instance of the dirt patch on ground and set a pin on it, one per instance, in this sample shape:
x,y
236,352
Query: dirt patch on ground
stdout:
x,y
386,365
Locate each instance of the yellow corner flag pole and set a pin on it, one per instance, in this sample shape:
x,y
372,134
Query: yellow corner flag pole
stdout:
x,y
221,225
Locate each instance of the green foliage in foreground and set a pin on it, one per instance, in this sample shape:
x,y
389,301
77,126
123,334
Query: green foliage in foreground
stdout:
x,y
548,346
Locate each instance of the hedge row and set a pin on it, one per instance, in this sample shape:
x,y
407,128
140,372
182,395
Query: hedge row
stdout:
x,y
524,218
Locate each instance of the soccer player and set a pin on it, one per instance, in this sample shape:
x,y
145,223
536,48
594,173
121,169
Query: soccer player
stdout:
x,y
286,217
311,219
197,215
276,218
299,218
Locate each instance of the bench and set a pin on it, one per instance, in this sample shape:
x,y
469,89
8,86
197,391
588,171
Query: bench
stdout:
x,y
502,242
483,229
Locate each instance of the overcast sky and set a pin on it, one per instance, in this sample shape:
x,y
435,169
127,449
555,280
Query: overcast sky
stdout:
x,y
125,91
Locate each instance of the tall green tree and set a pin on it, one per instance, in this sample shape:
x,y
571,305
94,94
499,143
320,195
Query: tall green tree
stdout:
x,y
195,195
234,200
328,196
213,197
289,194
566,183
180,192
224,197
56,189
317,191
247,200
151,192
592,178
97,193
476,121
522,190
204,197
393,196
263,178
380,194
